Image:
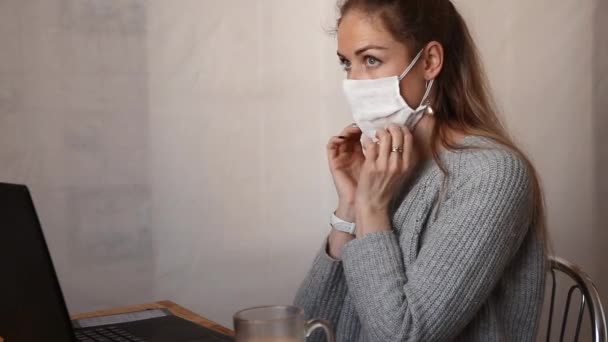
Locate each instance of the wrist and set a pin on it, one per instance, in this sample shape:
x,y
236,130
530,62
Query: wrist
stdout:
x,y
346,211
372,219
336,241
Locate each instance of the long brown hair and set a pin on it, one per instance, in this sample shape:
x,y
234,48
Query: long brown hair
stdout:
x,y
463,100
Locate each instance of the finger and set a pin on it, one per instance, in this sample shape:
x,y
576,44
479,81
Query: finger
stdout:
x,y
336,141
384,147
358,147
351,132
371,149
408,147
334,145
351,135
395,158
352,125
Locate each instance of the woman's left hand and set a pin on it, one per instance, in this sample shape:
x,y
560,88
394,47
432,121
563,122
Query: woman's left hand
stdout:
x,y
387,165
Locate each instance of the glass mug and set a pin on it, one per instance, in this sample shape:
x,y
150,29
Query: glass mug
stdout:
x,y
276,324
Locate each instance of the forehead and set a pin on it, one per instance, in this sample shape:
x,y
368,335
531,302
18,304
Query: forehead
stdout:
x,y
358,28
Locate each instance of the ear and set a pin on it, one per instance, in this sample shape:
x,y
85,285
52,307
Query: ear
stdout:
x,y
433,60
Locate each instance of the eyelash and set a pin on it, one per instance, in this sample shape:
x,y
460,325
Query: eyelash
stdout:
x,y
346,64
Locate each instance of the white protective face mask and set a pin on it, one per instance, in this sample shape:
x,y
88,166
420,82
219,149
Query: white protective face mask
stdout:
x,y
377,103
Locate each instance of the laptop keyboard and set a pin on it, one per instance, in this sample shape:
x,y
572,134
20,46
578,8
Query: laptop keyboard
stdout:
x,y
106,334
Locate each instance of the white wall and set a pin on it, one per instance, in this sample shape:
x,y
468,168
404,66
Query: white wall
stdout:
x,y
600,108
178,147
74,126
241,103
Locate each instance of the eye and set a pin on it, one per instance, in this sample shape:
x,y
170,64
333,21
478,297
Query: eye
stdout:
x,y
372,61
345,64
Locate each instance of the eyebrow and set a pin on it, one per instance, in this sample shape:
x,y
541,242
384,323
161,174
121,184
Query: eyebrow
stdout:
x,y
365,48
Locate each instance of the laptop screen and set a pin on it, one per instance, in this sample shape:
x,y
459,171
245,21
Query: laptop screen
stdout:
x,y
32,308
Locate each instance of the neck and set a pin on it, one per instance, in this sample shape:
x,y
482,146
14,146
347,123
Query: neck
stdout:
x,y
423,136
423,140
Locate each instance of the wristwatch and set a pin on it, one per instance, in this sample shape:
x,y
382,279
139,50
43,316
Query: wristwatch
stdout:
x,y
341,225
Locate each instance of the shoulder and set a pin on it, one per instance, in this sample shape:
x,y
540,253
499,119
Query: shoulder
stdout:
x,y
490,165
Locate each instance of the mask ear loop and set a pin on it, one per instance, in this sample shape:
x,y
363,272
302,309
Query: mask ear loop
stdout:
x,y
413,121
429,86
411,66
429,110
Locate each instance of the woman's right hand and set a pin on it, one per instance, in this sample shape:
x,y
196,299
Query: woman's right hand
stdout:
x,y
346,158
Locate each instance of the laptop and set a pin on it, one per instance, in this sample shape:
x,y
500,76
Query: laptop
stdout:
x,y
32,307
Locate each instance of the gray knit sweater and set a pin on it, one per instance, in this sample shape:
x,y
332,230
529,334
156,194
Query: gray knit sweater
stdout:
x,y
461,264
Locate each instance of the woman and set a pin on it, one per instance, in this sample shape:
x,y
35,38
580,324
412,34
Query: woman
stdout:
x,y
448,240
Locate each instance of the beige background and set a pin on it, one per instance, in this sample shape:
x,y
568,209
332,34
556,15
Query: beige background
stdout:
x,y
175,149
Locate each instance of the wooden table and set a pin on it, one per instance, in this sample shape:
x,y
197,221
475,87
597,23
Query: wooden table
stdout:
x,y
165,304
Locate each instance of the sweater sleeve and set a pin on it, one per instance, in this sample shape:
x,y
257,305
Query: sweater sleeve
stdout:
x,y
461,259
323,290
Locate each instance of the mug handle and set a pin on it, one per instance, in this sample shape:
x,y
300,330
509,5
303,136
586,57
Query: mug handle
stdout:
x,y
315,324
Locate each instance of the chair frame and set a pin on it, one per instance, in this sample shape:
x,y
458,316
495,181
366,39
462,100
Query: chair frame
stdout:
x,y
590,296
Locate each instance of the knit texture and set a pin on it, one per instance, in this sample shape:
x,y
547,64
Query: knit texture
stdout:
x,y
462,263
